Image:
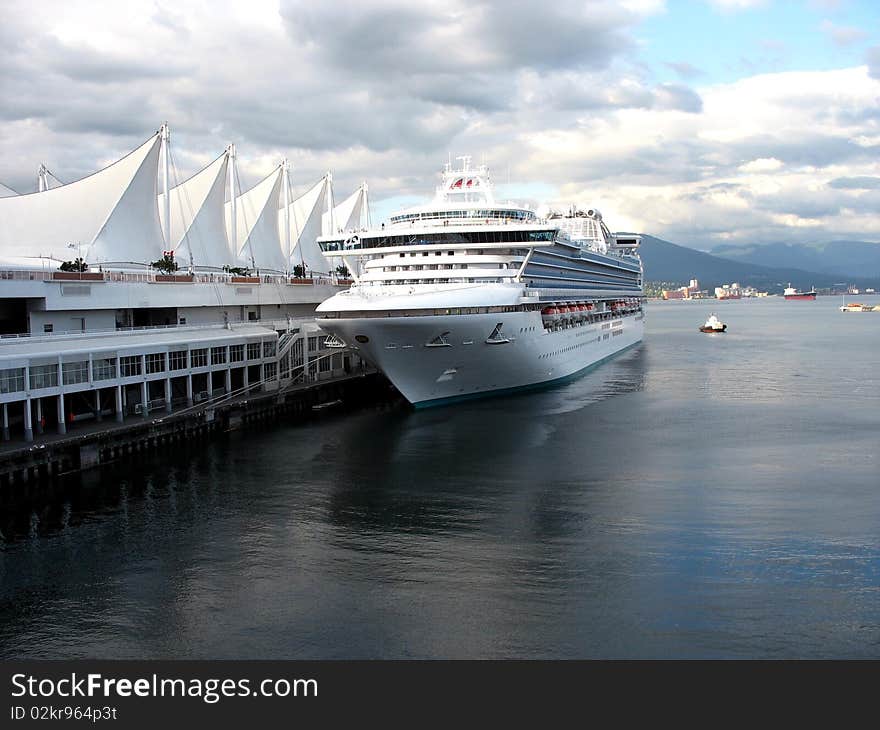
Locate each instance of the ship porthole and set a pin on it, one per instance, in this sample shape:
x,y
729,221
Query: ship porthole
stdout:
x,y
362,338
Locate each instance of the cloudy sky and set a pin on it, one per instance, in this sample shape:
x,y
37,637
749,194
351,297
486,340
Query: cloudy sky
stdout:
x,y
701,121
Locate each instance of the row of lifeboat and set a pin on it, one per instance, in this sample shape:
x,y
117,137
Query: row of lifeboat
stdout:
x,y
578,312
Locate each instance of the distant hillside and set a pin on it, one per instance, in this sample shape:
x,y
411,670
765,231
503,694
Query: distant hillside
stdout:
x,y
837,258
665,261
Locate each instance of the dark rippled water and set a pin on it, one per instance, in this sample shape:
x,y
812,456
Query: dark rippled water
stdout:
x,y
699,496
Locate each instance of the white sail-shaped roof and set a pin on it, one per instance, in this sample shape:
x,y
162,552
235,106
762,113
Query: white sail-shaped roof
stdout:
x,y
257,241
305,226
198,226
5,192
110,216
348,215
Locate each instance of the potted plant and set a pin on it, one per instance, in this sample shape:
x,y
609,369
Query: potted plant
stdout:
x,y
343,275
168,266
241,275
78,270
300,275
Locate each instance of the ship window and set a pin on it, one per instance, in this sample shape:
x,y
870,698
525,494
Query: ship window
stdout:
x,y
452,253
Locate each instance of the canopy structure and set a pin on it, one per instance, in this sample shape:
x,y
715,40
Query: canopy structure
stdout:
x,y
257,241
117,217
349,215
198,226
304,219
110,216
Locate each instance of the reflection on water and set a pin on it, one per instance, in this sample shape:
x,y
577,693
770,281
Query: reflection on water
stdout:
x,y
696,496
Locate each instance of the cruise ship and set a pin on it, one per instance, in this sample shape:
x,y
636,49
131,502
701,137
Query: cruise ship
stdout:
x,y
466,297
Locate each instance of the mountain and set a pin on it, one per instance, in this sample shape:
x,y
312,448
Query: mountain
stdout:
x,y
665,261
837,258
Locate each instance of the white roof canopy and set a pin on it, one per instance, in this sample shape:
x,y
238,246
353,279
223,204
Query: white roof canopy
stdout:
x,y
258,242
348,215
304,218
198,227
108,216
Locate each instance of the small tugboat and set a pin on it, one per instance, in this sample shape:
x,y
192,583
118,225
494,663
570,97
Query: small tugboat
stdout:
x,y
857,307
792,293
713,325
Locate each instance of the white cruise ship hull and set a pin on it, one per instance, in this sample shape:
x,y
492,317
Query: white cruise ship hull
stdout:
x,y
468,366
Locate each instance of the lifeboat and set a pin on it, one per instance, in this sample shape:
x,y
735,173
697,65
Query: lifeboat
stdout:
x,y
550,315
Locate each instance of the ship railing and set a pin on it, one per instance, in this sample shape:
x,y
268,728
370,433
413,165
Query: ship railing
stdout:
x,y
147,277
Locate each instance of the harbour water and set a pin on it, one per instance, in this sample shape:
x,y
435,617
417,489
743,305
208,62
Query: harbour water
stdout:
x,y
699,496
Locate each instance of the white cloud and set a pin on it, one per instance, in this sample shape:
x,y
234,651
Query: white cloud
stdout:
x,y
762,164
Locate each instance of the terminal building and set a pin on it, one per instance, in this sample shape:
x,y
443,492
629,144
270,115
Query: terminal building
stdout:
x,y
121,295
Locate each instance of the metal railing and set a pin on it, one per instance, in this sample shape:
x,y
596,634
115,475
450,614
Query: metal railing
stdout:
x,y
220,277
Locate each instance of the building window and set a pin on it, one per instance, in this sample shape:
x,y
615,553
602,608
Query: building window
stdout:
x,y
156,362
313,344
236,353
48,327
218,355
103,368
129,365
12,380
253,351
44,376
199,358
324,365
269,349
285,366
75,372
177,360
269,370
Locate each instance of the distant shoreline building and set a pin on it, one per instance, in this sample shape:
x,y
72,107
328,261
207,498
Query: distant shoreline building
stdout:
x,y
691,291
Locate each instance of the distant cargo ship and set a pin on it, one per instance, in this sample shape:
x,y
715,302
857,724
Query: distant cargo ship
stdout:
x,y
792,293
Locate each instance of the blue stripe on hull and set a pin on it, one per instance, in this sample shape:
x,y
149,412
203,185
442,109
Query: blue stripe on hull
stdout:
x,y
543,385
